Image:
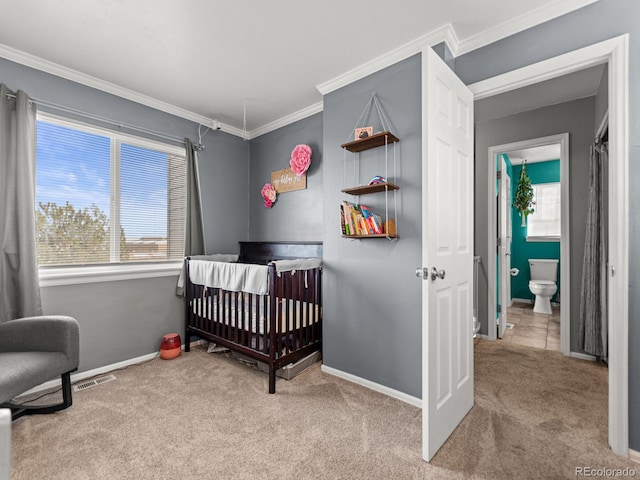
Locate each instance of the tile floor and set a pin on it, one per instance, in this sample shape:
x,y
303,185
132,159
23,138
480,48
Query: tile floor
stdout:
x,y
533,329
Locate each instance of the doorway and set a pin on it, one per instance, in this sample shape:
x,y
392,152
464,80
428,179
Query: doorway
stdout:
x,y
533,150
614,52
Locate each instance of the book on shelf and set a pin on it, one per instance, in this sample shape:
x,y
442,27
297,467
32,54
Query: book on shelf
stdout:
x,y
360,220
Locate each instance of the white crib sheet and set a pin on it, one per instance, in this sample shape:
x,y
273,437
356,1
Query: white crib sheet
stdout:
x,y
294,313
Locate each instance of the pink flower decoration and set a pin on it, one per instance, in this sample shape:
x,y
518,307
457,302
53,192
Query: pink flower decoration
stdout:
x,y
268,193
300,159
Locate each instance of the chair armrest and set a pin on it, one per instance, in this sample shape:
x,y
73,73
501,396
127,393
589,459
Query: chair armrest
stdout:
x,y
54,333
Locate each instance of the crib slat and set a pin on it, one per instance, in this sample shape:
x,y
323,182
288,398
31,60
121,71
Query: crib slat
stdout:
x,y
279,298
313,311
272,327
247,341
299,306
264,323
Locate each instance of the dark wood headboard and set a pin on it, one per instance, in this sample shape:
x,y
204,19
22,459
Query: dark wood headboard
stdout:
x,y
264,252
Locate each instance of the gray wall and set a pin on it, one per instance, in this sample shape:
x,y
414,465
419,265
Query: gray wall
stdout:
x,y
295,215
118,320
594,23
575,118
224,190
125,319
372,299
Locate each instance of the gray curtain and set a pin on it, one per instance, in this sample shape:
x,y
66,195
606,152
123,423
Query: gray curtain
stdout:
x,y
194,230
19,283
593,299
194,233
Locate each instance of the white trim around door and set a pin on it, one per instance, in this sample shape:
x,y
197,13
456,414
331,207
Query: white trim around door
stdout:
x,y
615,52
565,278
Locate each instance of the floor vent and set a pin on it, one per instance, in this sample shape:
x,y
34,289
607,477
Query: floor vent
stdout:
x,y
509,325
93,383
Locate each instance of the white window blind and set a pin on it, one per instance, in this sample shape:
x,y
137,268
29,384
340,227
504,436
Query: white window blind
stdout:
x,y
104,197
545,221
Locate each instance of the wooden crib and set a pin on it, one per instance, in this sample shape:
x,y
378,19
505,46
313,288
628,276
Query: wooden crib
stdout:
x,y
278,324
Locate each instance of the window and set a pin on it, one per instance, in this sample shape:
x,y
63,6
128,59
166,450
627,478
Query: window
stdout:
x,y
105,197
544,223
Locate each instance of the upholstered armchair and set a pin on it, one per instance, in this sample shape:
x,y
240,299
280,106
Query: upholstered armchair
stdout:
x,y
32,351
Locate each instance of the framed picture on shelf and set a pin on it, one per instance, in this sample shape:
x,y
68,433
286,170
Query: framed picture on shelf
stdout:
x,y
363,132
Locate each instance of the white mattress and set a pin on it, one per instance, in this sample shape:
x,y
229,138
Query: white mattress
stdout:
x,y
294,313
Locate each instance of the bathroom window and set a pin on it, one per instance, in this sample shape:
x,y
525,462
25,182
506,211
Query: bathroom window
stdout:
x,y
544,224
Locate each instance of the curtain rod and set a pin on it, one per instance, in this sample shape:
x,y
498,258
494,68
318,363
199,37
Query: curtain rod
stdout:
x,y
92,116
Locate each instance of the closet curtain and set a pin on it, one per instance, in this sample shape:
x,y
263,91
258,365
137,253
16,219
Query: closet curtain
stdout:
x,y
593,298
19,282
194,230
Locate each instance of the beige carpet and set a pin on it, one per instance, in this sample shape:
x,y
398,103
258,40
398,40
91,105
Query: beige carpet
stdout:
x,y
200,416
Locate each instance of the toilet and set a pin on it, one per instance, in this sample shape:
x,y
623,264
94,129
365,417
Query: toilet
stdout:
x,y
542,283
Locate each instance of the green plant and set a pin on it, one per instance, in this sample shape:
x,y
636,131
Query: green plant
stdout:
x,y
524,194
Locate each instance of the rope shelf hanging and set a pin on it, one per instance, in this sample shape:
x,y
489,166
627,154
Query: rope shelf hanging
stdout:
x,y
363,138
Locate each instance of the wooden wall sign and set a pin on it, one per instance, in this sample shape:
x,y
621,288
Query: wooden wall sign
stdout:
x,y
286,181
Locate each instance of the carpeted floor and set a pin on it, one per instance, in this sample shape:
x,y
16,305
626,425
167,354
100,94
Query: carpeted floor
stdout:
x,y
537,415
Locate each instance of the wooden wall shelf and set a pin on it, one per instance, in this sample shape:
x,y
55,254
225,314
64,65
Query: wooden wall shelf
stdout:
x,y
373,235
375,188
375,140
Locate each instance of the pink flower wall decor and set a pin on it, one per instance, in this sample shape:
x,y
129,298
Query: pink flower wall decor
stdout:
x,y
300,159
268,193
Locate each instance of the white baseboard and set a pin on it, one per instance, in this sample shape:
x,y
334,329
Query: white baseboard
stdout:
x,y
634,456
416,402
78,377
583,356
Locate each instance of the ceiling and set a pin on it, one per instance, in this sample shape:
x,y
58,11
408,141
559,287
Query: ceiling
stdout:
x,y
573,86
534,154
245,64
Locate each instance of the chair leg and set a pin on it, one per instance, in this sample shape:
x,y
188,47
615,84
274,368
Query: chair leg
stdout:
x,y
18,411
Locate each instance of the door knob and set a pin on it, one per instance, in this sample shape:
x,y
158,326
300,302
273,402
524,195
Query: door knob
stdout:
x,y
422,273
435,273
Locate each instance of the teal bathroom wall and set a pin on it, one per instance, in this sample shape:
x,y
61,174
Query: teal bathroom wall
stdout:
x,y
521,250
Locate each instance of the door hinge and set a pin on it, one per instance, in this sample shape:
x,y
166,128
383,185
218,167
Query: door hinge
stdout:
x,y
498,174
499,309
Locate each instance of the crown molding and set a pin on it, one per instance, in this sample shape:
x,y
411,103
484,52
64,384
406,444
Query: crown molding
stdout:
x,y
523,22
238,132
458,47
58,70
445,34
442,34
287,119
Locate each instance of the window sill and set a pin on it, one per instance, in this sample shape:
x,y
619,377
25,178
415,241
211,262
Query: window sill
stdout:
x,y
543,239
54,276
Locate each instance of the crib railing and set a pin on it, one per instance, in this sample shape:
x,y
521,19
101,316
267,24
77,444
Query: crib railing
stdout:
x,y
279,328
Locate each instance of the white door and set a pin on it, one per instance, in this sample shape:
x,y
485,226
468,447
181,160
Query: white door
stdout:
x,y
447,249
504,249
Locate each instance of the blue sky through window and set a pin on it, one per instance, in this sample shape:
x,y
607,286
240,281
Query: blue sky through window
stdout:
x,y
74,166
143,192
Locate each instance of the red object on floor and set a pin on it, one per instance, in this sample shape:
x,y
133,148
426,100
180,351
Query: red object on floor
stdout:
x,y
170,347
